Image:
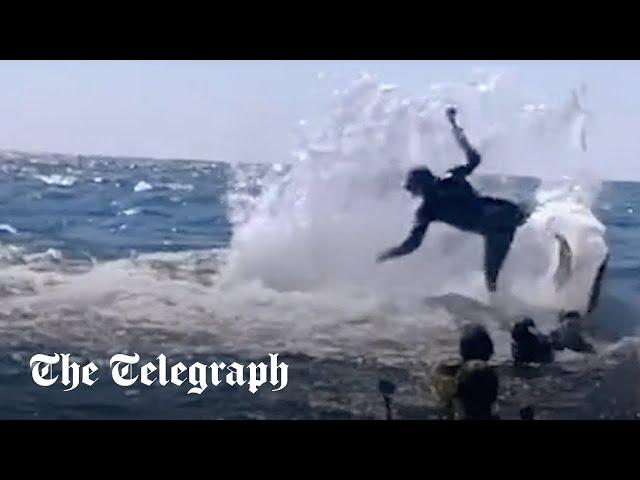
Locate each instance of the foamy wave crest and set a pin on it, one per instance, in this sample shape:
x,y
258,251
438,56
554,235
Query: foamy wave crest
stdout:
x,y
5,227
58,180
320,224
131,211
187,187
143,186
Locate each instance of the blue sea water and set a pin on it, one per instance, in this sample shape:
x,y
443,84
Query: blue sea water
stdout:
x,y
95,208
62,216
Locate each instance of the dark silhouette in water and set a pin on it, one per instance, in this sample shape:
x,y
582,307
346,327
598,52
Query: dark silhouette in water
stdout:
x,y
526,413
477,390
529,345
475,343
569,334
387,389
452,200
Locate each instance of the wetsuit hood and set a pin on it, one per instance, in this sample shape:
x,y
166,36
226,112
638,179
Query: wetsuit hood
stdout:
x,y
419,181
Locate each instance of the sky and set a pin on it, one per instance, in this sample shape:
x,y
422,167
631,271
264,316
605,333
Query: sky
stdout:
x,y
246,111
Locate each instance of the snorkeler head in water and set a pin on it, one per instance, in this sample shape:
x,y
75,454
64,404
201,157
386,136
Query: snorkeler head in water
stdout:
x,y
475,343
529,345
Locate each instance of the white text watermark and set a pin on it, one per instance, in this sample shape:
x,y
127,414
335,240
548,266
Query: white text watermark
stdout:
x,y
127,371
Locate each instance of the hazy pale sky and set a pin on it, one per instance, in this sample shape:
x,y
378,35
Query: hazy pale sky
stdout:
x,y
247,110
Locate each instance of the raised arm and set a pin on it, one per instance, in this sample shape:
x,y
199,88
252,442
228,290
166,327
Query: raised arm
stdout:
x,y
411,243
473,157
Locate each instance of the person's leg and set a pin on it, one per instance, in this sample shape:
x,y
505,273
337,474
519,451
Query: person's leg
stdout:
x,y
496,248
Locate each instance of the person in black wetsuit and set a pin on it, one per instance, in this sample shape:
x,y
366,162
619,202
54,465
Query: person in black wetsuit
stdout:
x,y
452,200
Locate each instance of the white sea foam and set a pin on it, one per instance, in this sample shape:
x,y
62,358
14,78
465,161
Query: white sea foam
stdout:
x,y
58,180
5,227
142,186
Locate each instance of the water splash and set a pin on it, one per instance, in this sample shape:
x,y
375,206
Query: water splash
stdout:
x,y
320,224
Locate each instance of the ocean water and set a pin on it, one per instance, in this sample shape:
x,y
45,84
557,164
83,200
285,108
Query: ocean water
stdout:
x,y
94,264
210,262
